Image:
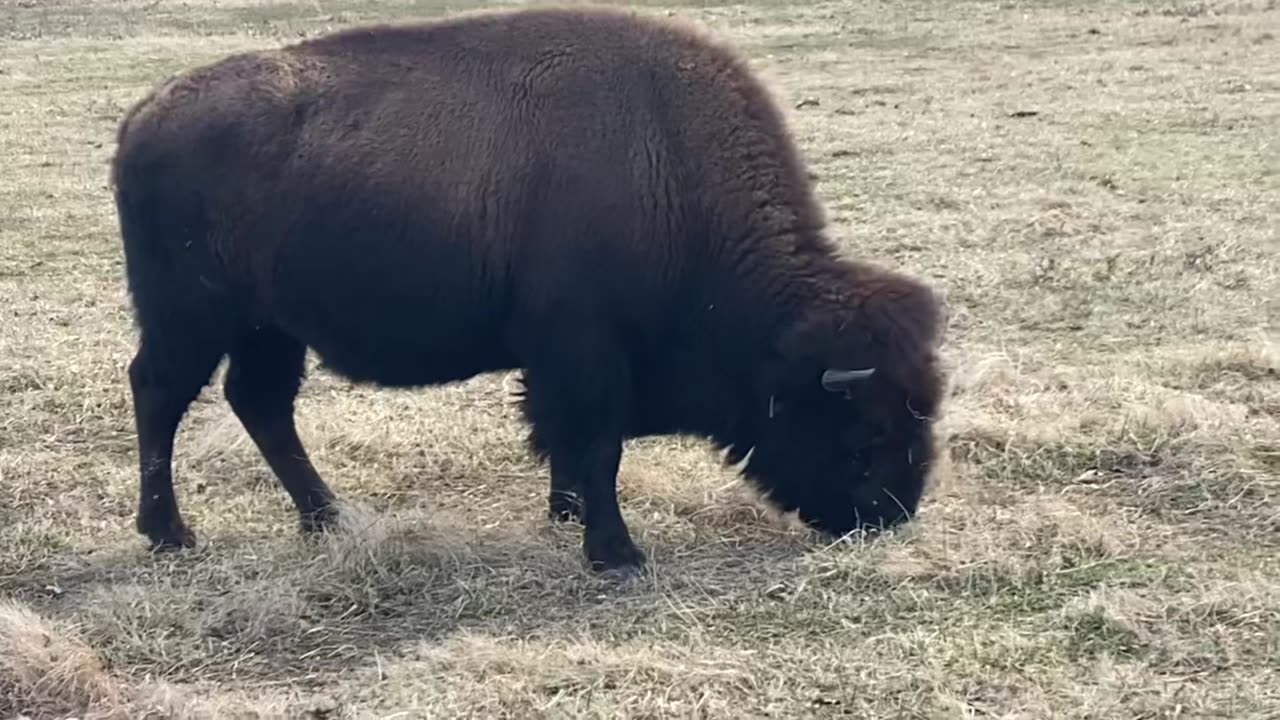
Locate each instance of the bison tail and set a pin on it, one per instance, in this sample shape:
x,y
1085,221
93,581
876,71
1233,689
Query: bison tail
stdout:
x,y
169,265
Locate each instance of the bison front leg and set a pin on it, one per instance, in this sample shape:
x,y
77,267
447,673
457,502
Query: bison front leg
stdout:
x,y
606,540
564,502
577,400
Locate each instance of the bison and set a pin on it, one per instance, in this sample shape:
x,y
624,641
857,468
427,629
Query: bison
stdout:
x,y
607,202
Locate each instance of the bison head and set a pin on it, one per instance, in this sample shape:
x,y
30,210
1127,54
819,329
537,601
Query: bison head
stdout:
x,y
843,430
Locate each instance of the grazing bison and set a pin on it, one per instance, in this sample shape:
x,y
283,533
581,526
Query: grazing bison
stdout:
x,y
611,204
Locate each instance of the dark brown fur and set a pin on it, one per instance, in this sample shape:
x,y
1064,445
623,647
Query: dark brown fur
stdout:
x,y
611,203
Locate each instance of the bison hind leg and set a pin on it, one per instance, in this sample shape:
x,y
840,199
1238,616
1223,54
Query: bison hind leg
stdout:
x,y
265,374
166,374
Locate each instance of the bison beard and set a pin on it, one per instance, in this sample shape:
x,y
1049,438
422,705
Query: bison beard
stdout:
x,y
610,203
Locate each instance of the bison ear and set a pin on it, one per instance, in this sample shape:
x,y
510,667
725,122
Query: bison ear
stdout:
x,y
838,381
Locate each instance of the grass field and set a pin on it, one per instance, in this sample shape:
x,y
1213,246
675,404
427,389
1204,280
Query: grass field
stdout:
x,y
1095,188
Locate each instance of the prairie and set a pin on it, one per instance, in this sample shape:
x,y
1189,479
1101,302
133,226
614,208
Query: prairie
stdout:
x,y
1092,186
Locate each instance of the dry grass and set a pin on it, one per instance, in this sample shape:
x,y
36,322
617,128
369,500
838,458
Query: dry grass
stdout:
x,y
46,671
1094,185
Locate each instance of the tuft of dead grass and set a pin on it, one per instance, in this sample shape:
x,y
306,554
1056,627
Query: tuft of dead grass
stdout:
x,y
47,670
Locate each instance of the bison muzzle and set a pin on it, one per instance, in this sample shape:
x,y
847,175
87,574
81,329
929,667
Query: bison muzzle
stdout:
x,y
608,202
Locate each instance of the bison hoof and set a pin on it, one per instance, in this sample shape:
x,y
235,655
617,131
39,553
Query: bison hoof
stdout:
x,y
173,538
615,557
319,521
564,507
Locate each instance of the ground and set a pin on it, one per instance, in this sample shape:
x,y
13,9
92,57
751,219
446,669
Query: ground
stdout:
x,y
1093,187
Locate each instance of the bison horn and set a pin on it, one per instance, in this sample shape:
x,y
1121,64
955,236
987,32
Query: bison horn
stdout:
x,y
842,380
